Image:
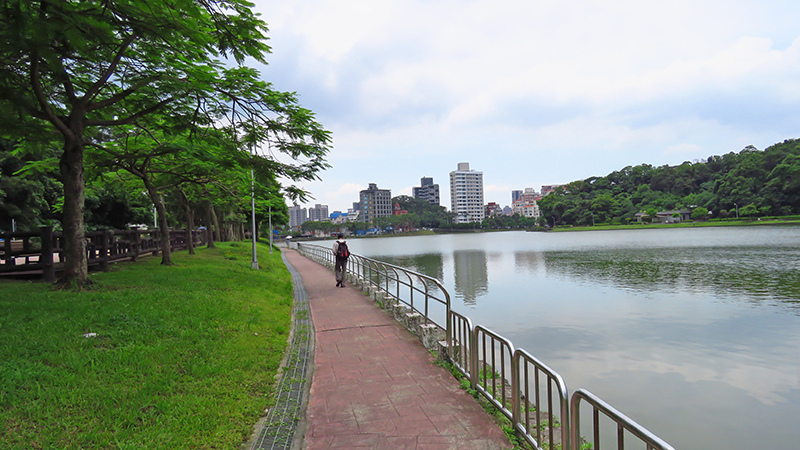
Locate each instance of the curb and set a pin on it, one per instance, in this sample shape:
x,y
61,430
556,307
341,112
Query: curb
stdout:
x,y
285,421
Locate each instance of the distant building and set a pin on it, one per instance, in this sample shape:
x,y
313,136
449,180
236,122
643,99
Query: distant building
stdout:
x,y
427,191
549,188
297,215
318,213
466,194
507,210
493,209
397,211
375,202
526,204
515,195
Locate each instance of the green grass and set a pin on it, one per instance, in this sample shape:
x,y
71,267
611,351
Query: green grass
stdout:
x,y
183,357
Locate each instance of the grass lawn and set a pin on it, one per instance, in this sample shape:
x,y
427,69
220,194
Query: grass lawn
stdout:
x,y
183,356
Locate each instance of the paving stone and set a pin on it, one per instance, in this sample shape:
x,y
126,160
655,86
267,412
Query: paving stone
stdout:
x,y
375,384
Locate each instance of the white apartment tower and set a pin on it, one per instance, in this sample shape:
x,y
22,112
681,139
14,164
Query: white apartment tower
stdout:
x,y
466,194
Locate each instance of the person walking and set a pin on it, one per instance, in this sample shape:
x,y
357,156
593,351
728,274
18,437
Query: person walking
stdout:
x,y
341,252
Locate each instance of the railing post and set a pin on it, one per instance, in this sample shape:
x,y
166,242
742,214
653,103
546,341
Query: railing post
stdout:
x,y
157,233
48,269
103,256
516,393
136,244
10,259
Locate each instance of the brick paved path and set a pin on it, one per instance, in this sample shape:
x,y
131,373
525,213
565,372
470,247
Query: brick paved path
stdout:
x,y
375,385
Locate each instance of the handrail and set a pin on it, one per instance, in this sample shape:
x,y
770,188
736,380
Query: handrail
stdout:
x,y
470,346
521,383
489,372
623,423
386,278
460,346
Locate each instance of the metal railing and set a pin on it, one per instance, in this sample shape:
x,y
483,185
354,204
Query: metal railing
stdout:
x,y
531,394
550,422
622,421
460,343
491,360
422,294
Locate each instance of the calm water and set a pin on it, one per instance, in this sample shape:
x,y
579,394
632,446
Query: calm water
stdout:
x,y
693,333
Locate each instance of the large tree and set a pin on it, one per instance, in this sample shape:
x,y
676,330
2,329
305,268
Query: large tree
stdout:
x,y
86,66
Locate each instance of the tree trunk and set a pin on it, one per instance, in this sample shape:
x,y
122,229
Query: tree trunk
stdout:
x,y
166,249
209,221
76,269
189,221
216,224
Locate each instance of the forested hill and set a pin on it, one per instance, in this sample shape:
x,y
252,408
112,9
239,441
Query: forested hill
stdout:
x,y
759,183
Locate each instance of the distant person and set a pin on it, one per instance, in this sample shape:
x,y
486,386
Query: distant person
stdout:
x,y
341,252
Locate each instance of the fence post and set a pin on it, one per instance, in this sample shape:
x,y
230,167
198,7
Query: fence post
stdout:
x,y
137,233
10,260
48,269
104,250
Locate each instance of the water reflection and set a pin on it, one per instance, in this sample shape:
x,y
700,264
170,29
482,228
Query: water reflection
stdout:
x,y
756,272
470,274
532,262
431,264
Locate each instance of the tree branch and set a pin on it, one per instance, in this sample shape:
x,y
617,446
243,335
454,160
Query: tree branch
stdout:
x,y
95,88
49,114
130,119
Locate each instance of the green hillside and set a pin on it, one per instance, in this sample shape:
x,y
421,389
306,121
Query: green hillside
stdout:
x,y
755,182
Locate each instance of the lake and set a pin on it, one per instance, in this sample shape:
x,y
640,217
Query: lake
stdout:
x,y
692,332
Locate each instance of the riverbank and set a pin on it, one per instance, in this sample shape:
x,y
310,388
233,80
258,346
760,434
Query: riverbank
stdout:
x,y
150,357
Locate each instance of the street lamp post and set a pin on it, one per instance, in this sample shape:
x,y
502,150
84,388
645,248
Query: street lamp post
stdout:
x,y
737,210
270,229
254,263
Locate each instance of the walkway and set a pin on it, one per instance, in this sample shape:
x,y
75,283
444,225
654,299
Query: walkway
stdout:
x,y
375,385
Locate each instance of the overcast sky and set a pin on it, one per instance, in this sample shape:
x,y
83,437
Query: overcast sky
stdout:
x,y
532,92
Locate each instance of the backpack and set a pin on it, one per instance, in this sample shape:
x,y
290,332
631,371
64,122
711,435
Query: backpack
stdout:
x,y
342,251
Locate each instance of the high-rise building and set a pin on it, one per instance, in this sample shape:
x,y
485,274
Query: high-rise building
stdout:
x,y
375,203
515,195
318,213
466,194
427,191
297,215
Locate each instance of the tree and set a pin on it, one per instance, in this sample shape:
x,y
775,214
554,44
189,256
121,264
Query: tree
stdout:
x,y
749,210
83,67
700,213
28,197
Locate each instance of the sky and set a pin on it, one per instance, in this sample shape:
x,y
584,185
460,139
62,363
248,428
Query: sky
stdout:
x,y
531,92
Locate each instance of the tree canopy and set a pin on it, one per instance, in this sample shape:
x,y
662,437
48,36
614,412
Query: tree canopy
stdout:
x,y
86,73
759,182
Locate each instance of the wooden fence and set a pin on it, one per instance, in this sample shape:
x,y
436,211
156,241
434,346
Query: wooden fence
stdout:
x,y
43,251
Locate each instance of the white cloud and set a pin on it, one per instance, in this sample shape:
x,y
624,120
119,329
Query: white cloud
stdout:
x,y
532,89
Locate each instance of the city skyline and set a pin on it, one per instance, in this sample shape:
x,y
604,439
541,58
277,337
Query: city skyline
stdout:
x,y
531,92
